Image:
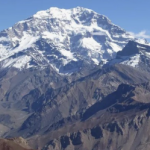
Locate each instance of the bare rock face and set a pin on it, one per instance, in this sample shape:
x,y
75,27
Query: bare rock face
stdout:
x,y
120,124
93,111
14,144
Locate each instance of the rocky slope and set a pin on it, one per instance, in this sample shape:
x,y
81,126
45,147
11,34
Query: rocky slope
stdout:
x,y
38,95
14,144
120,121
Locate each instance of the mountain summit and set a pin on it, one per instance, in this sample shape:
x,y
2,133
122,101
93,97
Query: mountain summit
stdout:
x,y
134,54
65,39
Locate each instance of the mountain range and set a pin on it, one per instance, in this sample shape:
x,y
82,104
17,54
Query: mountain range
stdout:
x,y
70,79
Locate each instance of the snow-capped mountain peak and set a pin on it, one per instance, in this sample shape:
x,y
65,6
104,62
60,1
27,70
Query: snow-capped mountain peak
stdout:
x,y
61,38
55,12
134,54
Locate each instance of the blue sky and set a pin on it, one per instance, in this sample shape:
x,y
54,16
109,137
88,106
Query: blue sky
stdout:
x,y
133,15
